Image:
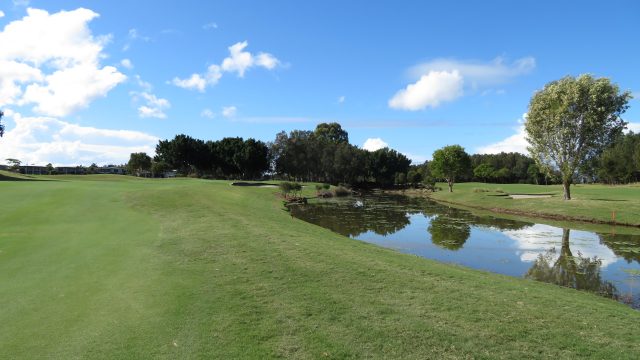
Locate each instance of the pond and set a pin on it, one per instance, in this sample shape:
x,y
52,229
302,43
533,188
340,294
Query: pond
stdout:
x,y
602,262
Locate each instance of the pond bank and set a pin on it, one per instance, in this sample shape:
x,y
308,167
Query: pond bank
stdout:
x,y
594,204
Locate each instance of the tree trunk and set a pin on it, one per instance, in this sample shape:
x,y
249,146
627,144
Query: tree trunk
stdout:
x,y
566,187
450,182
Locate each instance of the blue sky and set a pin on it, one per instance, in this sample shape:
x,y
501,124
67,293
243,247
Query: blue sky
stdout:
x,y
92,81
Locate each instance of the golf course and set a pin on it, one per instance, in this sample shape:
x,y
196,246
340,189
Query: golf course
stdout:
x,y
118,267
594,203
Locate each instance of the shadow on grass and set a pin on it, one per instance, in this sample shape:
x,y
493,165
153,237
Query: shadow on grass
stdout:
x,y
609,199
4,177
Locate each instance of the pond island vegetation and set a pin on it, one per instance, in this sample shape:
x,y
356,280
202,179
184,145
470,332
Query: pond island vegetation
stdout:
x,y
105,266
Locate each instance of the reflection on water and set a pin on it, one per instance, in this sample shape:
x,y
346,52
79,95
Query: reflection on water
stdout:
x,y
603,263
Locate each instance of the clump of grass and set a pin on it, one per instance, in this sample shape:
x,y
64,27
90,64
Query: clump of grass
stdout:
x,y
499,190
480,190
341,191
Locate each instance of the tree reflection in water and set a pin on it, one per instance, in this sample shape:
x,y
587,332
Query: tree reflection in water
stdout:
x,y
578,272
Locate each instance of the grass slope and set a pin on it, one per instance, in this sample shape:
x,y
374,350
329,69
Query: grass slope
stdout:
x,y
589,202
115,267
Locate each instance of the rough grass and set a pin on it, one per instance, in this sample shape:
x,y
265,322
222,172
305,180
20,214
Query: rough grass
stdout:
x,y
599,203
116,267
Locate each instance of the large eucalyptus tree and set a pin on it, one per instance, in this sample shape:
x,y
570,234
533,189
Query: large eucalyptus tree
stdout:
x,y
572,120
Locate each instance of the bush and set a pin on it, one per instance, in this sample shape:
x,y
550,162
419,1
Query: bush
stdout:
x,y
326,186
341,191
290,187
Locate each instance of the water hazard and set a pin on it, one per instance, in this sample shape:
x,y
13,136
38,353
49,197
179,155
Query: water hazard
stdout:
x,y
601,262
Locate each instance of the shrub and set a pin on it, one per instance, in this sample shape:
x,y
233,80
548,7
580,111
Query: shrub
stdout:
x,y
341,191
290,187
480,190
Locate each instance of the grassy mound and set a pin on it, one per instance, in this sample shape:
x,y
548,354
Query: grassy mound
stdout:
x,y
183,268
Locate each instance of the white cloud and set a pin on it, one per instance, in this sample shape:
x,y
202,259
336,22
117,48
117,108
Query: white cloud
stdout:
x,y
478,74
126,63
194,82
52,61
1,14
229,111
238,62
154,107
132,36
430,90
444,80
373,144
21,2
143,84
635,127
207,113
341,99
209,26
514,143
267,61
42,140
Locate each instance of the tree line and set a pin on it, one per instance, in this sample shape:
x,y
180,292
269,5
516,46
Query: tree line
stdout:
x,y
321,155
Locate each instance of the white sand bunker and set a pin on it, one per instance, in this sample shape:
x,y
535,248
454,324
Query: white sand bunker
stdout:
x,y
529,196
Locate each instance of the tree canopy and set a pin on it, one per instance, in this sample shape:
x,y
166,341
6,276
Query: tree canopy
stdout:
x,y
571,121
450,162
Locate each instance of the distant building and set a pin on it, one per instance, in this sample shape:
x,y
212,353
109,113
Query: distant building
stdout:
x,y
71,170
117,170
34,170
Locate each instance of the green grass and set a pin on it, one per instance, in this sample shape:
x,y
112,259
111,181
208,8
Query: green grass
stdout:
x,y
589,202
116,267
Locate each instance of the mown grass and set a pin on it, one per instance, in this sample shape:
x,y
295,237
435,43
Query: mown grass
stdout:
x,y
601,203
116,267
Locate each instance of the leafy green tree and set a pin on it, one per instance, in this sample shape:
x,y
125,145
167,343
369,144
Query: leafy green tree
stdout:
x,y
14,164
183,153
572,120
50,169
483,171
254,159
449,163
414,176
331,132
139,163
158,168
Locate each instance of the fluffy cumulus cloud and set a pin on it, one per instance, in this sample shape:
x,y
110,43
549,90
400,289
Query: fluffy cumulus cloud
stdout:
x,y
373,144
518,141
154,107
229,111
52,62
1,14
429,91
444,80
42,140
238,62
514,143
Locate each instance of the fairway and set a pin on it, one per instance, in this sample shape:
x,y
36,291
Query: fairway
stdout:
x,y
103,266
591,203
